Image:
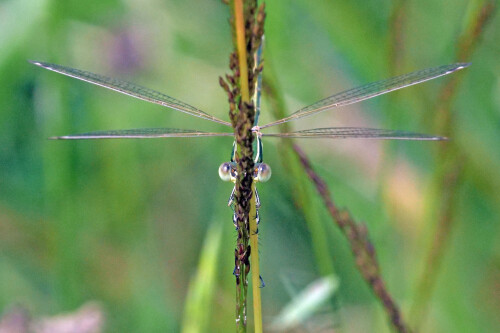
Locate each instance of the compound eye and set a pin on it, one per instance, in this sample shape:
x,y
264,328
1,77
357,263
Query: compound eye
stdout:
x,y
225,171
263,172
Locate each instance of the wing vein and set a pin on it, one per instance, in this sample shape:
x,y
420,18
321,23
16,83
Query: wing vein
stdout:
x,y
356,133
130,89
141,133
370,90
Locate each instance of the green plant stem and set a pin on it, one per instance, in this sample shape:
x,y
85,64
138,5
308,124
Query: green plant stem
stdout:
x,y
242,51
254,263
302,192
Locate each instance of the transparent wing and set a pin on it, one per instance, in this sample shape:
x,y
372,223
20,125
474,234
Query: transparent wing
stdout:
x,y
140,133
371,90
355,132
130,89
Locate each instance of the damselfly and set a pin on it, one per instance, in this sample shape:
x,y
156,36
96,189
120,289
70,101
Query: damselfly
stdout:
x,y
262,173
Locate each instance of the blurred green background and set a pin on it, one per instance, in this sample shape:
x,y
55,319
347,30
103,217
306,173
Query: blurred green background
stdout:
x,y
142,226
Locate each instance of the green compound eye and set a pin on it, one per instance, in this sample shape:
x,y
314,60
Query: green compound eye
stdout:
x,y
225,171
263,173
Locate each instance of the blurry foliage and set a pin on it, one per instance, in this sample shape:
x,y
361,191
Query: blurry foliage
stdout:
x,y
123,222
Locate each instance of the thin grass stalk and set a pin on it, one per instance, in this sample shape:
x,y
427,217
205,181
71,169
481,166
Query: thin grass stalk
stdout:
x,y
396,52
396,60
453,162
361,246
397,23
239,24
254,263
301,190
355,233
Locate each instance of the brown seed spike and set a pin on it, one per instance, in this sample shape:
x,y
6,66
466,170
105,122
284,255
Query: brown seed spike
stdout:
x,y
231,80
224,85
